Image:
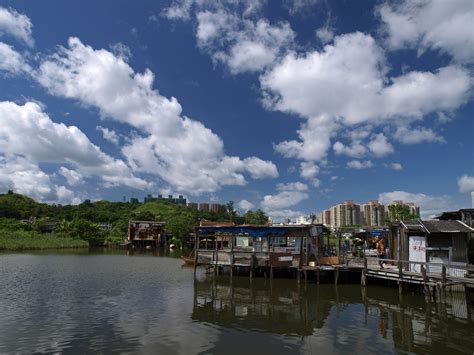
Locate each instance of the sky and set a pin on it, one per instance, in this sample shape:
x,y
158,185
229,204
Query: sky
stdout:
x,y
288,106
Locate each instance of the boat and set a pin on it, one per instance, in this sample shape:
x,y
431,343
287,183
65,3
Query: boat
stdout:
x,y
188,260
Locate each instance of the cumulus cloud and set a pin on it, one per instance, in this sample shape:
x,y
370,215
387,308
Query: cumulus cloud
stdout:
x,y
51,142
325,34
25,177
417,135
430,206
245,205
11,61
16,25
380,146
344,86
288,195
421,24
109,135
466,183
394,166
230,33
356,150
359,165
179,150
242,45
73,177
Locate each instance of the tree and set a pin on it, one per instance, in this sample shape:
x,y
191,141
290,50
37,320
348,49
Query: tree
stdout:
x,y
401,213
257,217
231,212
180,226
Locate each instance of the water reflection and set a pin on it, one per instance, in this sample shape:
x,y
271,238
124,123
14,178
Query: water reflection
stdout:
x,y
334,319
106,301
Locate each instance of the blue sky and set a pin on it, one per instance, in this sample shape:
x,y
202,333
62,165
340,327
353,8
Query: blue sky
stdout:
x,y
289,106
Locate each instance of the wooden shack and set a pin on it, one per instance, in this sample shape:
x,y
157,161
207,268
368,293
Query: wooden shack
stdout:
x,y
434,241
146,233
287,246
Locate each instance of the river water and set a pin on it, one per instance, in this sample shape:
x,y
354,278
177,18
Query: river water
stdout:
x,y
90,301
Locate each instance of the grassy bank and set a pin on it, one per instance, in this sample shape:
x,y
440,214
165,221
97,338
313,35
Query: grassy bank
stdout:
x,y
30,240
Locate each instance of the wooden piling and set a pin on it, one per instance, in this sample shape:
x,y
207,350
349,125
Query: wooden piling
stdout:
x,y
425,283
400,277
363,279
443,283
336,275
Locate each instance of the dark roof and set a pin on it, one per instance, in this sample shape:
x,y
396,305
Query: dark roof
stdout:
x,y
448,226
455,214
259,230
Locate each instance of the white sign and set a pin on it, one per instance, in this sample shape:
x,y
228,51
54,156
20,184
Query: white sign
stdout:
x,y
416,252
285,258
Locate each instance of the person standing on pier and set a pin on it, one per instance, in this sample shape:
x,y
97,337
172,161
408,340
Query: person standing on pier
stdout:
x,y
380,251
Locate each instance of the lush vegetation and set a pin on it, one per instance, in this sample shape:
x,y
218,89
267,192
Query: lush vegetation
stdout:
x,y
81,223
15,235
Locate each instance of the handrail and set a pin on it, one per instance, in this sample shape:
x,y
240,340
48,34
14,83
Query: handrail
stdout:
x,y
463,266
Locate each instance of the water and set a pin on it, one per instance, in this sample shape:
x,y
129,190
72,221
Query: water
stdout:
x,y
82,301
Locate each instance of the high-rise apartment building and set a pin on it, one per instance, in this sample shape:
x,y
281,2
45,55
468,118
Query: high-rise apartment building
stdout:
x,y
373,213
370,214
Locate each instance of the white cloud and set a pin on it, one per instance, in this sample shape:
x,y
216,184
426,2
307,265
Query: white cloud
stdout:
x,y
51,142
181,151
356,150
12,61
441,25
245,205
345,86
380,146
16,25
357,164
288,195
73,177
325,34
429,205
109,135
466,183
417,135
394,166
179,10
309,170
230,33
243,45
260,169
25,177
121,50
296,7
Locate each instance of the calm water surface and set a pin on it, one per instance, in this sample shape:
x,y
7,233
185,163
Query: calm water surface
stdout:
x,y
83,301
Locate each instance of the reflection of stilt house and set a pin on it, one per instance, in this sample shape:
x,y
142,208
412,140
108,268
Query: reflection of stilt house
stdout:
x,y
280,309
291,246
146,233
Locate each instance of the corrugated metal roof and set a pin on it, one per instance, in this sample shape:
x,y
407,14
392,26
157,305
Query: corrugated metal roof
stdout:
x,y
448,226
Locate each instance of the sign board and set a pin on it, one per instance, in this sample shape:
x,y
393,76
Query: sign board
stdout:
x,y
281,259
416,251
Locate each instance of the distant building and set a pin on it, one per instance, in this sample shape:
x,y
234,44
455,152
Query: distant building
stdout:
x,y
203,206
193,205
370,214
373,213
180,200
217,208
